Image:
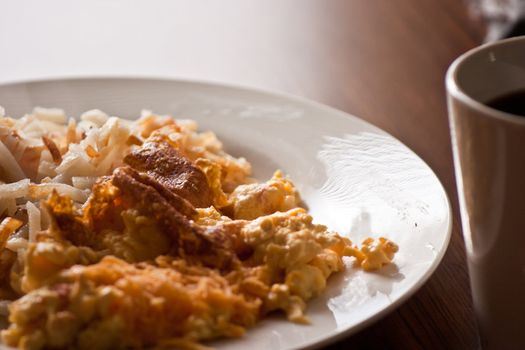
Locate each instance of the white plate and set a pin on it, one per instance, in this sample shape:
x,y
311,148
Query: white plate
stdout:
x,y
354,178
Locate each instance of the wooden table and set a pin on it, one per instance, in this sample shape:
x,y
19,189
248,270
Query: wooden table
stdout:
x,y
381,60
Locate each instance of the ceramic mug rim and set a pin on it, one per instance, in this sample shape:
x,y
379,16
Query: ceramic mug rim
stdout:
x,y
455,91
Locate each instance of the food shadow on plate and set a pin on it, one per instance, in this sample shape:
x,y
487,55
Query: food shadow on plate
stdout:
x,y
361,226
349,291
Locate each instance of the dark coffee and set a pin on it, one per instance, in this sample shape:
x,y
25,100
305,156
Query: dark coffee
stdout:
x,y
513,103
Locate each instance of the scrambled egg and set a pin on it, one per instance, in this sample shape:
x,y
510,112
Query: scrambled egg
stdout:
x,y
253,200
140,266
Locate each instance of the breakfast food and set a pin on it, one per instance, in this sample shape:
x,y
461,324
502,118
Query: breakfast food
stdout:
x,y
122,234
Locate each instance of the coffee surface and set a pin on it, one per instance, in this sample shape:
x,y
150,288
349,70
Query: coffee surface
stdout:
x,y
513,103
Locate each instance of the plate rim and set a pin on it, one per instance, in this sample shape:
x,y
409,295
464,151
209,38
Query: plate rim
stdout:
x,y
334,335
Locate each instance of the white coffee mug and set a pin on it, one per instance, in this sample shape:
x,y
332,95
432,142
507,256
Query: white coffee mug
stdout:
x,y
489,159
